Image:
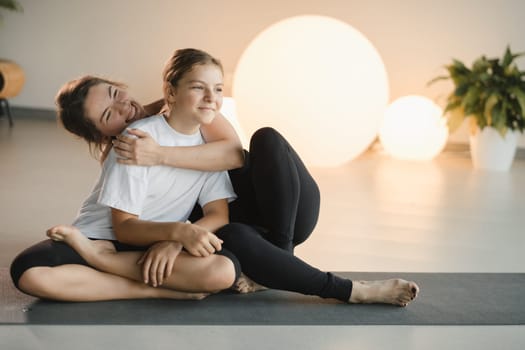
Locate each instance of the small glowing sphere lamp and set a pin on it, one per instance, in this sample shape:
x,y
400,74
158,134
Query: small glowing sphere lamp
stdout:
x,y
316,80
413,129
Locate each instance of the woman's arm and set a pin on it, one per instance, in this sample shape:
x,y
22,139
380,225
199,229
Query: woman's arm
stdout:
x,y
222,150
130,229
154,107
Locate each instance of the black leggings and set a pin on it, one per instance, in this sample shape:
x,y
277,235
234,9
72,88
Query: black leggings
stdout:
x,y
275,191
51,253
278,207
276,268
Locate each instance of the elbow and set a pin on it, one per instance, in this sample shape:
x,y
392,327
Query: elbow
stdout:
x,y
119,236
237,158
120,233
225,221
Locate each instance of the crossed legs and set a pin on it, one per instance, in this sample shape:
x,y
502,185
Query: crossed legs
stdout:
x,y
116,275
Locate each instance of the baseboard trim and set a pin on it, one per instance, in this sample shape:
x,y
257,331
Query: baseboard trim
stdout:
x,y
32,113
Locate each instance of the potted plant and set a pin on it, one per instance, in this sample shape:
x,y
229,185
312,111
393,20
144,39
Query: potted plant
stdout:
x,y
491,94
11,75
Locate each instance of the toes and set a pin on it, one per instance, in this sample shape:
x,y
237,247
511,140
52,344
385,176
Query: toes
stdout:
x,y
55,237
414,289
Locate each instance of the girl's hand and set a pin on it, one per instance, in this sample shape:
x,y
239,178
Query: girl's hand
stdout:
x,y
157,263
138,149
200,242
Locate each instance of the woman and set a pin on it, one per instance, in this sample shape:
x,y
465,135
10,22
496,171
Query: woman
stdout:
x,y
270,261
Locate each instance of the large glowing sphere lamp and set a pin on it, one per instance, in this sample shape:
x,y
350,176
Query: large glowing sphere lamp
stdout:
x,y
413,128
319,82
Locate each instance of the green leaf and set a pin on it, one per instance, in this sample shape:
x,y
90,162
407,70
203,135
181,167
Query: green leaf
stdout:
x,y
481,64
455,119
436,79
471,99
520,96
490,103
509,57
461,89
457,68
452,104
499,120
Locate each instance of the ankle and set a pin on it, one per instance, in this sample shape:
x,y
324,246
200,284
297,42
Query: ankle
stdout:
x,y
359,292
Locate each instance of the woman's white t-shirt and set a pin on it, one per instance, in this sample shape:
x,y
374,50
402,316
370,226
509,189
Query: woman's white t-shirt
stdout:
x,y
154,193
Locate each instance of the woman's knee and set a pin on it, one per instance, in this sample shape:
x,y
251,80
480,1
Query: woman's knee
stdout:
x,y
234,233
266,138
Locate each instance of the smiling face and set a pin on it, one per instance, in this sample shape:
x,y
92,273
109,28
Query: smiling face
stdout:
x,y
111,109
197,97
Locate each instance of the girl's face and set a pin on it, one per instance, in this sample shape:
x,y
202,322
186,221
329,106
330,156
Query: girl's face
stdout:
x,y
198,95
111,109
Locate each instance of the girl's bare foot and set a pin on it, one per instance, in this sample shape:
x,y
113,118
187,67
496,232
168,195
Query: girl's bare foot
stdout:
x,y
392,291
246,285
173,294
87,248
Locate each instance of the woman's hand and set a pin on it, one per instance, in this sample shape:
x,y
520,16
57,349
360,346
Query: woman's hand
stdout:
x,y
139,150
198,241
157,263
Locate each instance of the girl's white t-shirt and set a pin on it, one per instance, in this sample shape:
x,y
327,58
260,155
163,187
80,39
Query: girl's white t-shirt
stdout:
x,y
154,193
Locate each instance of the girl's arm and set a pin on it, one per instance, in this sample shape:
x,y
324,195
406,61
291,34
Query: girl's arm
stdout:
x,y
215,215
197,240
222,150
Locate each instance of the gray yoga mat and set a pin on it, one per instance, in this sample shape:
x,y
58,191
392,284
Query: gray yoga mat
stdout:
x,y
445,299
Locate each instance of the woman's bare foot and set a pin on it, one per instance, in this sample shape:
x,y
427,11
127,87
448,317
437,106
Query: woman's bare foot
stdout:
x,y
246,285
393,291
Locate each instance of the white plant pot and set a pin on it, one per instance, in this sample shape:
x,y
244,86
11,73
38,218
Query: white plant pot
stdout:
x,y
490,151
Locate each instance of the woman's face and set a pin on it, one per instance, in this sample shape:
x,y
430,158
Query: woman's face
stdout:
x,y
111,109
198,95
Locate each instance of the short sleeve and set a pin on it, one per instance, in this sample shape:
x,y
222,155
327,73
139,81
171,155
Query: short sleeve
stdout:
x,y
124,187
217,186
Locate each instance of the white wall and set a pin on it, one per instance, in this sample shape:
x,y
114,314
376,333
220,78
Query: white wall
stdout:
x,y
129,40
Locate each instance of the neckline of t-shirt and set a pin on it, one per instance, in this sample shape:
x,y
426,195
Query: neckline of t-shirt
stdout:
x,y
195,135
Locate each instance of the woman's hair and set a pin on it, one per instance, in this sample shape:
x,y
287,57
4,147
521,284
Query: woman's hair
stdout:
x,y
71,112
183,61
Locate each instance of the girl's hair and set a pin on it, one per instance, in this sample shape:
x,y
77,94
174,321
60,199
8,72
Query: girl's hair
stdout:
x,y
71,112
182,61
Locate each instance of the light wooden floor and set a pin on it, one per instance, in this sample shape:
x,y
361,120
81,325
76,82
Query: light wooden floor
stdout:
x,y
377,214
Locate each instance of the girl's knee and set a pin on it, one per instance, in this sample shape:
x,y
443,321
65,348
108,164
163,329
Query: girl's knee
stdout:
x,y
221,276
35,281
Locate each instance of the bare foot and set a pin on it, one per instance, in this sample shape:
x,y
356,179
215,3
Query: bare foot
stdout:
x,y
173,294
393,291
83,245
246,285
